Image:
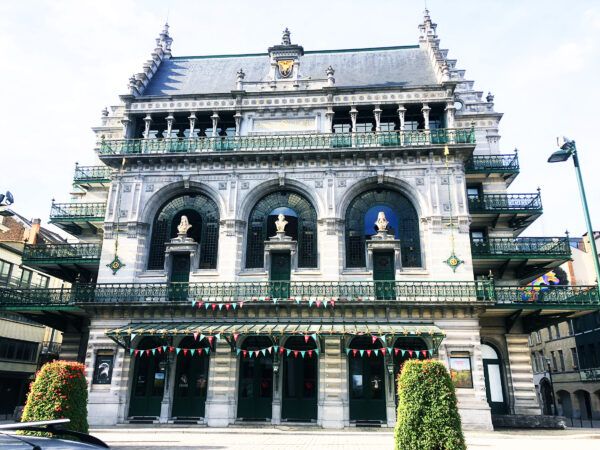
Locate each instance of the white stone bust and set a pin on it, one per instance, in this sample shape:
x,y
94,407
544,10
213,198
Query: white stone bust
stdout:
x,y
280,223
183,226
381,222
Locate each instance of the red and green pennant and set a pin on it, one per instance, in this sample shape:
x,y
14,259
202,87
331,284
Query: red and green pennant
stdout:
x,y
390,351
168,349
277,349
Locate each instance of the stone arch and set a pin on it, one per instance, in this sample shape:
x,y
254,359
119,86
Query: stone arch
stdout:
x,y
405,221
546,396
584,402
305,223
202,212
270,186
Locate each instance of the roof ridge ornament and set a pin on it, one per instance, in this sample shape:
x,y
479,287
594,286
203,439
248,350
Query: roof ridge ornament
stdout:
x,y
285,39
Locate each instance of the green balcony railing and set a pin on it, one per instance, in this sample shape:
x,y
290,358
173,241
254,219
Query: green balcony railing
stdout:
x,y
508,203
91,174
492,163
67,212
61,253
521,247
548,295
288,142
281,291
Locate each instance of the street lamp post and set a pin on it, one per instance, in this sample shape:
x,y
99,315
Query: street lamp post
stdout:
x,y
554,410
568,149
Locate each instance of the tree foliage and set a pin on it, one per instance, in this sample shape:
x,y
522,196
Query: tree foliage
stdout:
x,y
58,392
428,417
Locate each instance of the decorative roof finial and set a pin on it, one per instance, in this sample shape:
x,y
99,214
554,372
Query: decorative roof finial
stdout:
x,y
330,79
240,78
285,40
165,40
105,111
490,97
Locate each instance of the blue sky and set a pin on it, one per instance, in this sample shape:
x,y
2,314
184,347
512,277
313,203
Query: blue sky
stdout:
x,y
65,60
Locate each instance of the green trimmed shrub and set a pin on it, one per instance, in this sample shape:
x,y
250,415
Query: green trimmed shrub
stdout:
x,y
428,416
58,392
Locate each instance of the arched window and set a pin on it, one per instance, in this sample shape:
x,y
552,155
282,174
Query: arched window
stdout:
x,y
203,216
302,226
403,224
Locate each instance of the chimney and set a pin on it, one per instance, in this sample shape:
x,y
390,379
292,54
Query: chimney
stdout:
x,y
35,229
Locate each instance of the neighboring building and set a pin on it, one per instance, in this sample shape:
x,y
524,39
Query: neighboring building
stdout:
x,y
24,343
280,231
570,349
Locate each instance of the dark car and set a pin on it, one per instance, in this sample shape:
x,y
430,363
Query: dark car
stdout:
x,y
9,440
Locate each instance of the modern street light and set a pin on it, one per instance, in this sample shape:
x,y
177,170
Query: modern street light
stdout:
x,y
554,410
567,149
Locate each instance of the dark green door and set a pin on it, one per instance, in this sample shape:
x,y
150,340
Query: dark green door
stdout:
x,y
494,386
255,397
148,386
367,387
299,388
191,378
383,269
280,274
180,276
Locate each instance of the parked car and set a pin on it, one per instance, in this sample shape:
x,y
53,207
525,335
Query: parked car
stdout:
x,y
9,440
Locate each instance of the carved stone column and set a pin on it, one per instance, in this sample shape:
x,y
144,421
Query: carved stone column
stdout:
x,y
238,122
450,111
170,119
126,121
353,116
215,122
192,119
402,116
329,120
425,110
147,122
377,115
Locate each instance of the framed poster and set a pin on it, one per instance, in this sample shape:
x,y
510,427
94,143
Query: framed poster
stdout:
x,y
460,371
103,367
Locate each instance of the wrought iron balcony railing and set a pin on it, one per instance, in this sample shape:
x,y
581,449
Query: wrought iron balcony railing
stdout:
x,y
492,163
510,203
289,142
61,253
271,291
521,247
91,174
65,212
547,295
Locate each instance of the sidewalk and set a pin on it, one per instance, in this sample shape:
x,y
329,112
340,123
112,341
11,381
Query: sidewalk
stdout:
x,y
293,438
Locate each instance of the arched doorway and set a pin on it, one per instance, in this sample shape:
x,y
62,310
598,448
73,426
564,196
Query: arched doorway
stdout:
x,y
255,394
367,380
203,215
191,379
565,406
585,404
300,387
149,377
494,381
546,394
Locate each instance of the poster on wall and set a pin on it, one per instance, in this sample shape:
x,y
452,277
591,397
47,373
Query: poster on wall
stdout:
x,y
103,368
460,371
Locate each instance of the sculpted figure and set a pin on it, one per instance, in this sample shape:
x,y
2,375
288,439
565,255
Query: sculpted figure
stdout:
x,y
280,223
381,221
183,226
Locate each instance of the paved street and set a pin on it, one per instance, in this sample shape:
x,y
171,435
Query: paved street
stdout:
x,y
247,438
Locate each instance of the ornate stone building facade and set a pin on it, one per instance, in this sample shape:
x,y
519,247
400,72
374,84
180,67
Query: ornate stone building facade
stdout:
x,y
247,271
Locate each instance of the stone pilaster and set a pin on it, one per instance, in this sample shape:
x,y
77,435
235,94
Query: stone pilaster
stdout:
x,y
222,387
525,401
333,386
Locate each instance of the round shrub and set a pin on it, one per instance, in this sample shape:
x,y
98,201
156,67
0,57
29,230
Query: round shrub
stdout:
x,y
59,392
428,416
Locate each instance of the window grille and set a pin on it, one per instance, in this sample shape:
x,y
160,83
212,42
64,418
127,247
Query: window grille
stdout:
x,y
407,233
206,230
307,228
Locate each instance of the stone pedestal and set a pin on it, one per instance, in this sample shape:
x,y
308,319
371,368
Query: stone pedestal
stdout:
x,y
222,387
383,241
182,244
281,243
333,386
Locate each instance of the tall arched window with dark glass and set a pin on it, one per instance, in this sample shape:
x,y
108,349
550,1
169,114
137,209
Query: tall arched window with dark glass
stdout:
x,y
403,225
302,227
202,214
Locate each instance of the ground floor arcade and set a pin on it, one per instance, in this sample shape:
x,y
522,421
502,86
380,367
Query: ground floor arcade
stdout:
x,y
329,377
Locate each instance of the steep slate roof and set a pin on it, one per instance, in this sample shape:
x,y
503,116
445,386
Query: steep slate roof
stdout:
x,y
385,66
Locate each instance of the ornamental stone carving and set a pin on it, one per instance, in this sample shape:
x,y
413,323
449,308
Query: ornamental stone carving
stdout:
x,y
280,223
183,226
381,222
